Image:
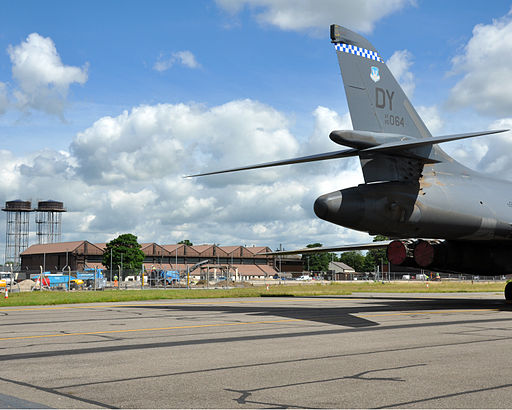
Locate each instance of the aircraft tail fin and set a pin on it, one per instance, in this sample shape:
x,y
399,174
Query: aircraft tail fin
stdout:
x,y
376,101
388,136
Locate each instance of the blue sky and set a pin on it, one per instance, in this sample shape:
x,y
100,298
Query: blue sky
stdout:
x,y
239,57
243,72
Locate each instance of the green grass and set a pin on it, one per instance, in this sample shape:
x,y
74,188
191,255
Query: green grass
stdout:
x,y
421,287
59,297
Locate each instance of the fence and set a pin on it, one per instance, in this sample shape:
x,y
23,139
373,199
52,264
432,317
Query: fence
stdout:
x,y
408,276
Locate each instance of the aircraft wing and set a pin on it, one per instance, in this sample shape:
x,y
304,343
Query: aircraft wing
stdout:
x,y
339,248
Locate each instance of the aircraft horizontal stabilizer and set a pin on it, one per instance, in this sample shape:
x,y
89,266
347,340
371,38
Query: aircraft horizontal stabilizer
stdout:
x,y
363,142
416,143
310,158
367,141
340,248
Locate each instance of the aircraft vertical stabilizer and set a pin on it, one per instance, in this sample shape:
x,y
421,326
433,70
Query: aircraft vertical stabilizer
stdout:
x,y
375,99
378,104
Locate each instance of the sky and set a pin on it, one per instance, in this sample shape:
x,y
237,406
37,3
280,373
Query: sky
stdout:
x,y
106,105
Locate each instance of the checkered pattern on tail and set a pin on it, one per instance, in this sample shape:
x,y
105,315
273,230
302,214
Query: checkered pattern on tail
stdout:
x,y
362,52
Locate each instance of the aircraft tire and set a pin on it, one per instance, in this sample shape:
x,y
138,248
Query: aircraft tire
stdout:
x,y
508,292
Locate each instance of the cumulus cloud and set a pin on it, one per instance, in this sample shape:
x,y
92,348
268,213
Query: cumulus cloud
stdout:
x,y
47,163
42,78
125,174
155,141
313,15
399,64
9,174
326,120
485,68
185,58
492,153
488,154
431,118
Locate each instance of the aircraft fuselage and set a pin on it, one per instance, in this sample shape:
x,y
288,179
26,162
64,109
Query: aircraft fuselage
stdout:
x,y
445,206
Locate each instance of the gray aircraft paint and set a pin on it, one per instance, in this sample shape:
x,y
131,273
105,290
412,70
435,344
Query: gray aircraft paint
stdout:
x,y
412,188
377,105
430,196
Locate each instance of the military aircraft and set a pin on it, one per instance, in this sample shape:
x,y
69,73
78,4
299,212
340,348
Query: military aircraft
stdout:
x,y
442,215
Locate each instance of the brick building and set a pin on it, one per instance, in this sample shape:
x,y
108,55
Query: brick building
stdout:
x,y
246,262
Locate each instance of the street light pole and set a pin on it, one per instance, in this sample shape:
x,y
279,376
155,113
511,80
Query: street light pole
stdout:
x,y
121,272
110,266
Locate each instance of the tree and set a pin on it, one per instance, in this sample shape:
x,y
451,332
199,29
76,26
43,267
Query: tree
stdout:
x,y
354,259
376,257
318,262
125,251
185,242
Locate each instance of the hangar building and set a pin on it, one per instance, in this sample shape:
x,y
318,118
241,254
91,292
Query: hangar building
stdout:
x,y
244,261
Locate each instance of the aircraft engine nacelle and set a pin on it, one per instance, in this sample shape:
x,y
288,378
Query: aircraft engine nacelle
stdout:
x,y
452,256
384,208
417,253
402,210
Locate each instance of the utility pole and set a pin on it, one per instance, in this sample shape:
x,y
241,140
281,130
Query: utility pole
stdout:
x,y
110,266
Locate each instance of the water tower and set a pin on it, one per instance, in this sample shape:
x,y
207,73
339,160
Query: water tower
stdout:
x,y
17,229
48,221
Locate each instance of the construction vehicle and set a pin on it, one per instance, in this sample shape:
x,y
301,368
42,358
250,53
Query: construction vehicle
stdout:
x,y
56,281
89,278
93,278
7,277
163,277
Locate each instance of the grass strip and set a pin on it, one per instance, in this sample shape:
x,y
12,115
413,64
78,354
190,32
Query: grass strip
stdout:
x,y
60,297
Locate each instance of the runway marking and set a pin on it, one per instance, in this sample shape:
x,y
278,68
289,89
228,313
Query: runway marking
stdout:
x,y
169,304
242,323
102,332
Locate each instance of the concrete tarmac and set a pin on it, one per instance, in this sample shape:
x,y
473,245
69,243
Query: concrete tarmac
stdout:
x,y
361,351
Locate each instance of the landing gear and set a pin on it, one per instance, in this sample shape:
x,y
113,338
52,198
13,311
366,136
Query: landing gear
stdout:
x,y
508,292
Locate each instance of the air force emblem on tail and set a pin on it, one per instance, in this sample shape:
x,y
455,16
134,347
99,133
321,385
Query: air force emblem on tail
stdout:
x,y
374,74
